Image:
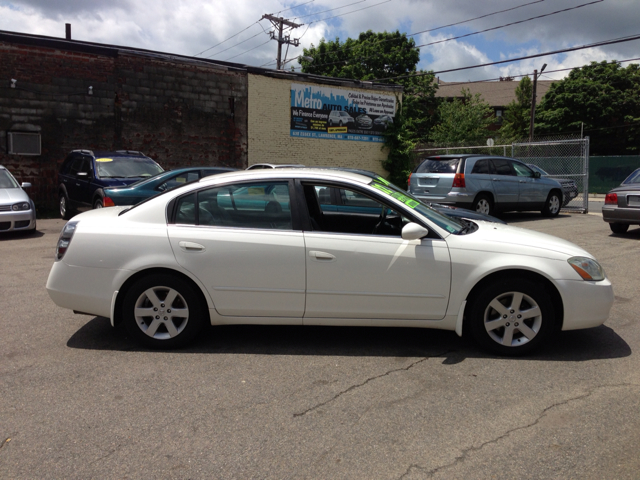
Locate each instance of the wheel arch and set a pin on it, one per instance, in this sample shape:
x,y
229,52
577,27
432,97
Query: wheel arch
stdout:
x,y
485,193
554,294
98,194
117,308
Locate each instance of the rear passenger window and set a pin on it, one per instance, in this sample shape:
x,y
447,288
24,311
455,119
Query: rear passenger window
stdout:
x,y
502,166
263,205
482,166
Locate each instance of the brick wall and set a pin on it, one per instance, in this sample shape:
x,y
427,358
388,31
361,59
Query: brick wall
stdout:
x,y
268,129
180,113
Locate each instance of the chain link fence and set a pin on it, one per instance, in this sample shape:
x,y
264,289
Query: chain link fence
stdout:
x,y
565,159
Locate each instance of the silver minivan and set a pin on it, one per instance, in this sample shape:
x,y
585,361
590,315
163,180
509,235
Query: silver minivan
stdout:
x,y
486,184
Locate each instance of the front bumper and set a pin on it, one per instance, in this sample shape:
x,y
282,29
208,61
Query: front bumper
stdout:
x,y
17,221
586,304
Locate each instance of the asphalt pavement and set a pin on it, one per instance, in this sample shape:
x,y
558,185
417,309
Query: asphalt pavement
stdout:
x,y
81,400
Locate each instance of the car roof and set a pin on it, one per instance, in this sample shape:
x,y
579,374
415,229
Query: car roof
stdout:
x,y
111,153
306,173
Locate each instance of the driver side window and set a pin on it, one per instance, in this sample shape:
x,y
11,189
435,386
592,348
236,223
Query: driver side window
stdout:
x,y
350,212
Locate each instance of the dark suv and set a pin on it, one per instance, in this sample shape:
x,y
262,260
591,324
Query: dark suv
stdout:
x,y
84,174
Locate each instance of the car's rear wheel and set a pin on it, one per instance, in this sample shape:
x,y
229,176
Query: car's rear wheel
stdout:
x,y
619,227
163,311
552,205
63,203
483,204
98,203
511,317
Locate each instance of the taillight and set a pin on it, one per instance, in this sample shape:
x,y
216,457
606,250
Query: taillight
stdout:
x,y
107,202
409,181
458,180
611,199
65,239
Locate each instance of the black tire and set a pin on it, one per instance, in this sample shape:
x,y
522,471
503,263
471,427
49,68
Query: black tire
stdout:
x,y
619,227
98,203
511,317
483,204
168,325
553,205
63,204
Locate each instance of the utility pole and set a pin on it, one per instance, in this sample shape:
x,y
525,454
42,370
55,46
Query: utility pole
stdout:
x,y
533,100
278,23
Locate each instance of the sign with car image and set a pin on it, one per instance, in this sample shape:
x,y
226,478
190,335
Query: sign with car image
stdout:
x,y
339,114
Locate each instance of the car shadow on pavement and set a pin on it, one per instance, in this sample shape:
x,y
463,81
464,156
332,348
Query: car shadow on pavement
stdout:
x,y
580,345
14,235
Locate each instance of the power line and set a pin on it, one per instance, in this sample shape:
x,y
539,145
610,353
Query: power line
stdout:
x,y
296,6
247,51
232,36
468,34
330,10
537,55
511,24
235,45
444,26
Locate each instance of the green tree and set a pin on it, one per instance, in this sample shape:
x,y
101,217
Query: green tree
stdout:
x,y
605,97
463,121
383,55
517,116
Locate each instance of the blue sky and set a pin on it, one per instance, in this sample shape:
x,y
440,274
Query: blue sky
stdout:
x,y
189,27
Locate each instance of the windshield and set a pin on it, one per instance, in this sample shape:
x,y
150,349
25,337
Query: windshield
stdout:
x,y
127,167
537,169
7,180
450,224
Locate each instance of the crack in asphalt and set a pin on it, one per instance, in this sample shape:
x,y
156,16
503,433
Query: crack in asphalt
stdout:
x,y
472,449
4,442
371,379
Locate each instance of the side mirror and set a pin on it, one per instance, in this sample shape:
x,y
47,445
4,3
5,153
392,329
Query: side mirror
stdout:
x,y
26,185
536,174
413,231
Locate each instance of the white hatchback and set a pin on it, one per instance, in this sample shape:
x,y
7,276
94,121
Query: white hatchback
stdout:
x,y
260,247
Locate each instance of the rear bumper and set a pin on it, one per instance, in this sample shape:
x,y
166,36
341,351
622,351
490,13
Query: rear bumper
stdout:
x,y
615,214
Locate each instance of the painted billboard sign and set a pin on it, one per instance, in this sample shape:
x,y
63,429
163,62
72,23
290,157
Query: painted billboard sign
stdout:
x,y
339,114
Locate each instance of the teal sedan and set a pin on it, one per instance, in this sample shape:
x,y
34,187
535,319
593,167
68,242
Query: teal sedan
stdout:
x,y
138,191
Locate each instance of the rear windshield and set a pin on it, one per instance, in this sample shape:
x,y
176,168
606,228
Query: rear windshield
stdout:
x,y
439,165
633,178
127,167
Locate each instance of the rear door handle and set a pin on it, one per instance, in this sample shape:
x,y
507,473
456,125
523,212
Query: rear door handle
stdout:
x,y
191,247
324,256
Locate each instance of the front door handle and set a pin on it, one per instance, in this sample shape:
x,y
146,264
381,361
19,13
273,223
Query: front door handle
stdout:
x,y
191,247
327,257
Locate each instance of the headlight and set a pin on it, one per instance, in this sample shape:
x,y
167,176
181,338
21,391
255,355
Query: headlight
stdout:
x,y
21,206
587,268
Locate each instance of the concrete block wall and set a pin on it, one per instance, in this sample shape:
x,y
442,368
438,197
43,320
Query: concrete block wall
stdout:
x,y
179,113
268,129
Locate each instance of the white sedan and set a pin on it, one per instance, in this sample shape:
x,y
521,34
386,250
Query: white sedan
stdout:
x,y
268,247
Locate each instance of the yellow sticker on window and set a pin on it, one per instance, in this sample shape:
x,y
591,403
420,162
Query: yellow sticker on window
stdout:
x,y
382,180
181,179
382,188
255,191
104,159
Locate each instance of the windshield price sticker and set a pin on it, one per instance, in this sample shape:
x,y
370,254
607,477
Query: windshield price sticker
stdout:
x,y
386,190
382,180
404,199
104,159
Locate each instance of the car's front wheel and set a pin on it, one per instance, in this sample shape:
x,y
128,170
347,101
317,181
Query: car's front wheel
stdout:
x,y
619,227
163,311
511,317
98,203
552,205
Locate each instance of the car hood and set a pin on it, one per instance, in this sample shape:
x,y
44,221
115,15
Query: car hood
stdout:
x,y
13,195
496,237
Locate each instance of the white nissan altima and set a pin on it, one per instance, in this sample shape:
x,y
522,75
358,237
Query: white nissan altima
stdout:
x,y
320,247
